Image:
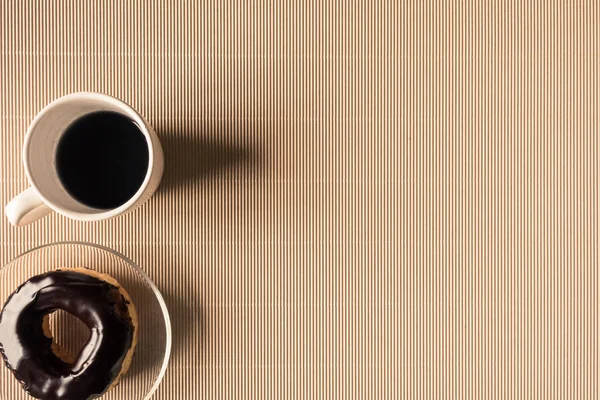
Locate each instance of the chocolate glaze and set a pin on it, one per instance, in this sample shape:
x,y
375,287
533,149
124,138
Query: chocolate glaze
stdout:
x,y
27,351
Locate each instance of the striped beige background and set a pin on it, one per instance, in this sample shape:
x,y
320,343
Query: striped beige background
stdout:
x,y
362,199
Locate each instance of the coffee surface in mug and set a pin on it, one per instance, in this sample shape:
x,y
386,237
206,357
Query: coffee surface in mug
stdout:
x,y
102,159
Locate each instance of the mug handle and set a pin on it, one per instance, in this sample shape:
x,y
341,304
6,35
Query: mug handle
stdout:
x,y
26,208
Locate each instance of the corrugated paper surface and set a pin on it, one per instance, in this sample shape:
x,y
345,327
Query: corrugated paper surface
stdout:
x,y
361,199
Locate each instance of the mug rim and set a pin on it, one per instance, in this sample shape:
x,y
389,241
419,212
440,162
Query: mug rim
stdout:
x,y
102,214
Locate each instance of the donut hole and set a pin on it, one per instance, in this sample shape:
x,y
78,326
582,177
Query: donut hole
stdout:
x,y
69,333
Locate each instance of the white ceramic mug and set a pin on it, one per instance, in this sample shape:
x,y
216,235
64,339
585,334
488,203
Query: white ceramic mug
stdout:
x,y
47,193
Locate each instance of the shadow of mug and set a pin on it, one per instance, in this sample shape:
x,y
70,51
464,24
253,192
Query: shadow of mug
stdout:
x,y
192,157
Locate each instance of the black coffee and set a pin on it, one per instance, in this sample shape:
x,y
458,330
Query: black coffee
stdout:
x,y
102,159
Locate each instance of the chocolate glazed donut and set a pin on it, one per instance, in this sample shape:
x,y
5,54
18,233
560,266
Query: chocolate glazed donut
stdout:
x,y
28,349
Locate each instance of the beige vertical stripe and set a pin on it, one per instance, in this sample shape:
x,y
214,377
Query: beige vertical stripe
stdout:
x,y
362,199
